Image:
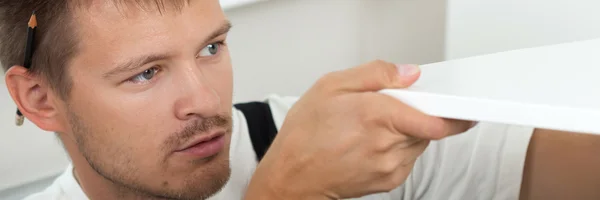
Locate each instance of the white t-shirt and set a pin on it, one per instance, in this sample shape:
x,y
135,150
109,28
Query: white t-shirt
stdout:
x,y
484,163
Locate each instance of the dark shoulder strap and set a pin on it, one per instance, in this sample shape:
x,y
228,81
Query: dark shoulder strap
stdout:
x,y
260,125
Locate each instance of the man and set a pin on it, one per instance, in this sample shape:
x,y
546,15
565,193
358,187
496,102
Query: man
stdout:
x,y
140,94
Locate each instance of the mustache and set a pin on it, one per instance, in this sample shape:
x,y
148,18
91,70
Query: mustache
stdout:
x,y
200,126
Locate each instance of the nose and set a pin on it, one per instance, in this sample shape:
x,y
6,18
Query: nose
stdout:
x,y
197,98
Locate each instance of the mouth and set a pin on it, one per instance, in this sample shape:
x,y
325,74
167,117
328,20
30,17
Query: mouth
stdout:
x,y
205,146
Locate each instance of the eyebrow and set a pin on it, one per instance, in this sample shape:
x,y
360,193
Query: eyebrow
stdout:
x,y
136,63
225,27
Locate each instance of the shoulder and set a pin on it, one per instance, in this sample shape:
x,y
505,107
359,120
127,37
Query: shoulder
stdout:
x,y
260,121
255,125
52,192
64,187
46,195
278,107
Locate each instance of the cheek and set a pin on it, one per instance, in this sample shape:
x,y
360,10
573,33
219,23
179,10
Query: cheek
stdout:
x,y
225,88
122,123
220,78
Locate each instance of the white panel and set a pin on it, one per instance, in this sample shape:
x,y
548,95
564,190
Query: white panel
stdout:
x,y
553,87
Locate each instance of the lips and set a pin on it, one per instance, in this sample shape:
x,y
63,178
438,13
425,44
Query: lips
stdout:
x,y
201,139
204,146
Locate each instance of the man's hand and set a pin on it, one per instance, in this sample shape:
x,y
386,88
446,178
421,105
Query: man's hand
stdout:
x,y
342,139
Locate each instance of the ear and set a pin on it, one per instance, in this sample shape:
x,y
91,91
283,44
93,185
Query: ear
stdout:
x,y
34,99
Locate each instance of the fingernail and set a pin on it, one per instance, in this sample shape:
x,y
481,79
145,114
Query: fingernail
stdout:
x,y
407,69
473,124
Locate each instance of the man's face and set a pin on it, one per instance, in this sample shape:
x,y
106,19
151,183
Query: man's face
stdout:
x,y
146,86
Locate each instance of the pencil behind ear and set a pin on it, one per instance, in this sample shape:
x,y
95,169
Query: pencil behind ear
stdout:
x,y
33,98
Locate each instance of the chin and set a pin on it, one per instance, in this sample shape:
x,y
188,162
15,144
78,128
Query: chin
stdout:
x,y
209,179
205,180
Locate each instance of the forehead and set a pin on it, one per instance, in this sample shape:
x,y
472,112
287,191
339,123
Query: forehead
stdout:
x,y
108,16
115,29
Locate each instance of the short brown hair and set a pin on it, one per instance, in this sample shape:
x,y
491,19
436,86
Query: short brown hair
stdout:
x,y
56,40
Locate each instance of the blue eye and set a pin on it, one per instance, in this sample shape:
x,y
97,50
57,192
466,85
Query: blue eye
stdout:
x,y
210,50
145,76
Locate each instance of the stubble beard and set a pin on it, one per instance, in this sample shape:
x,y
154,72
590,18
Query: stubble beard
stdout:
x,y
125,177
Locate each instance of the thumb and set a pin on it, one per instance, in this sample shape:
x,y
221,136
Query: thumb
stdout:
x,y
376,76
408,74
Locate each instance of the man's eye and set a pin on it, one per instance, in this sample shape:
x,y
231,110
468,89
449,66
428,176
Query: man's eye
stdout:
x,y
145,76
210,50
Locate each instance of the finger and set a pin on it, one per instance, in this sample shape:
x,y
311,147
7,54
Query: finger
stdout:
x,y
405,158
404,119
375,76
405,152
383,141
420,125
402,161
456,126
411,152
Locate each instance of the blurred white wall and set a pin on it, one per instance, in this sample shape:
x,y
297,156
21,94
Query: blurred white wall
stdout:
x,y
278,46
283,46
486,26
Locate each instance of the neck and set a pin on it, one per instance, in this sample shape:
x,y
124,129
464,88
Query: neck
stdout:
x,y
94,185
